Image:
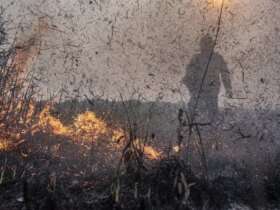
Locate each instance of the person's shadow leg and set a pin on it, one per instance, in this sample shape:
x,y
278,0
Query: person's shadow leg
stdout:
x,y
212,109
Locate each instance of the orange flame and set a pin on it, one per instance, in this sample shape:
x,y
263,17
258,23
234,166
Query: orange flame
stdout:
x,y
3,145
48,123
151,153
148,151
87,127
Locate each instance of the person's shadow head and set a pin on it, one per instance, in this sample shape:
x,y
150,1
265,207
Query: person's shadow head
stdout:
x,y
206,43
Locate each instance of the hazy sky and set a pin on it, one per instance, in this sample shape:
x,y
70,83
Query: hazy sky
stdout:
x,y
126,46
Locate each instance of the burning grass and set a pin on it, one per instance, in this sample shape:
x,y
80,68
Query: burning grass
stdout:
x,y
3,145
16,88
87,128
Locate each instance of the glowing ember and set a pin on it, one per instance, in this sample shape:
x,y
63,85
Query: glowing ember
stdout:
x,y
151,153
3,145
118,135
176,149
148,151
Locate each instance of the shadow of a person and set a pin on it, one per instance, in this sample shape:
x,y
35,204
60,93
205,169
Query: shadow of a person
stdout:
x,y
205,103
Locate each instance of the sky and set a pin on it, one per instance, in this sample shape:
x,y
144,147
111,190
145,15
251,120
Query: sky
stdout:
x,y
139,49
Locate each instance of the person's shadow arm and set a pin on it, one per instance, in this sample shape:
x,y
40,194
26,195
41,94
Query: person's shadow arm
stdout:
x,y
191,77
225,75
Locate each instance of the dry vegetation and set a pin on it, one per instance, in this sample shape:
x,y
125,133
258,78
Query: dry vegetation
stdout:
x,y
87,163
